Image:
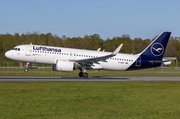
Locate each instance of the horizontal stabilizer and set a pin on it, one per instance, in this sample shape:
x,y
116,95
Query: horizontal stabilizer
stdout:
x,y
166,59
157,62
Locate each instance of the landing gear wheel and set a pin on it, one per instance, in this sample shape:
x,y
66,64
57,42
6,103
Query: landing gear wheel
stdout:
x,y
26,70
80,74
26,67
85,75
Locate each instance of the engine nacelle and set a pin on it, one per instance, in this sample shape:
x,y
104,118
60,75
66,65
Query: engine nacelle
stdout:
x,y
63,65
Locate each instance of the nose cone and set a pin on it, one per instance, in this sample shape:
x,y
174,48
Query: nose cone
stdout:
x,y
8,54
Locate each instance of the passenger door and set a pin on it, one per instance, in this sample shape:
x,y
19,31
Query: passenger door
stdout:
x,y
28,51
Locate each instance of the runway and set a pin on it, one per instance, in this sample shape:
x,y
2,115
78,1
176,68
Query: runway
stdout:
x,y
90,79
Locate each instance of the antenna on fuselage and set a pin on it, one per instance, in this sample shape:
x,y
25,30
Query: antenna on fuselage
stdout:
x,y
30,43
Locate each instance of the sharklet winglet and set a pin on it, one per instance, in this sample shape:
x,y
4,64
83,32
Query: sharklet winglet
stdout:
x,y
117,49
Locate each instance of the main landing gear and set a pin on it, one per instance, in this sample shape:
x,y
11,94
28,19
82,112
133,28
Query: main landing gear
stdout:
x,y
83,74
26,67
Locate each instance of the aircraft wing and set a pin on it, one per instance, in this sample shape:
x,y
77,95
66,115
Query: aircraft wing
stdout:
x,y
101,58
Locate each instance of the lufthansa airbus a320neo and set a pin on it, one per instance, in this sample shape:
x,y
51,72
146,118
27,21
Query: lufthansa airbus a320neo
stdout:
x,y
68,59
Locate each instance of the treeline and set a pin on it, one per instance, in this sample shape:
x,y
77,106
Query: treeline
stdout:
x,y
92,42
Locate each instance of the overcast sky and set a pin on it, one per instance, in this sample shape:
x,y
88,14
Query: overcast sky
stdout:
x,y
108,18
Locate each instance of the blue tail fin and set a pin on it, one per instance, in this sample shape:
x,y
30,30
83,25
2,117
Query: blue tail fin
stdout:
x,y
157,48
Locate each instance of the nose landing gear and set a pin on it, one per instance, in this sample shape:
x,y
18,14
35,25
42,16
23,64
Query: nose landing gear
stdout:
x,y
26,67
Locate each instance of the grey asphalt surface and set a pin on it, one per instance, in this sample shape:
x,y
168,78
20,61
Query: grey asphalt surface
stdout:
x,y
90,79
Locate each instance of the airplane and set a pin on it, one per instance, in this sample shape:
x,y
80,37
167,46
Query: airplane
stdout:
x,y
67,59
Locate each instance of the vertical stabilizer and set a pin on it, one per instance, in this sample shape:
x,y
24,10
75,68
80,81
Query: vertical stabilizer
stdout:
x,y
157,48
153,54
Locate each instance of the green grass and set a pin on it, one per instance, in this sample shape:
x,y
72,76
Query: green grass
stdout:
x,y
41,72
85,100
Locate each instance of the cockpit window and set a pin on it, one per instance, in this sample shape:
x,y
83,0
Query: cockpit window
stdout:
x,y
17,49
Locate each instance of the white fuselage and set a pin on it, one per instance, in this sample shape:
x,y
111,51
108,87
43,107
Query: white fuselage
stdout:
x,y
49,55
